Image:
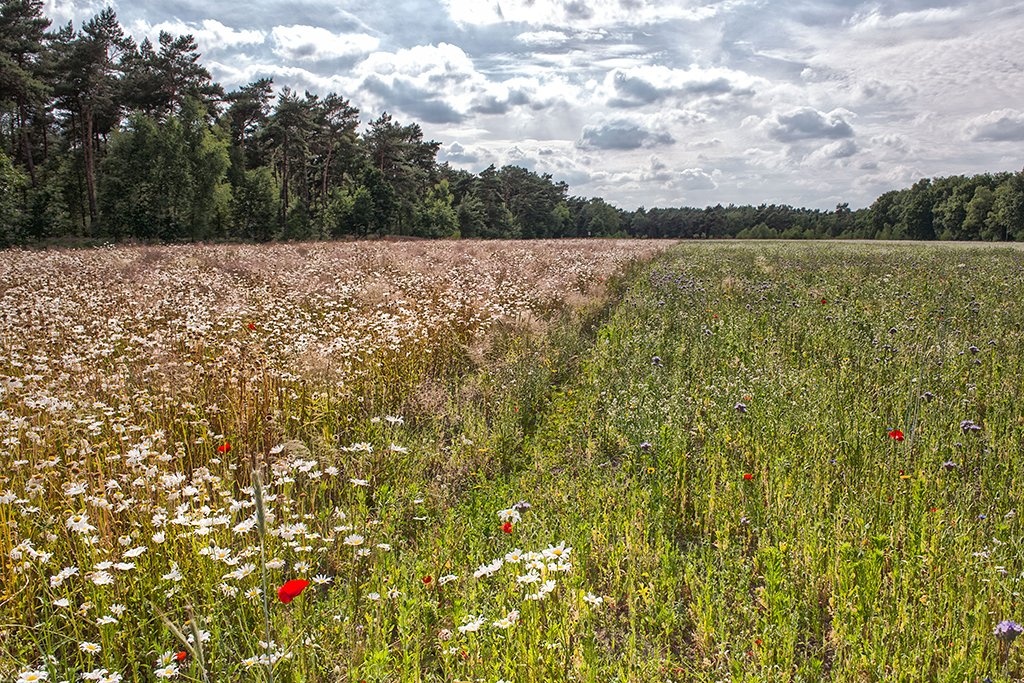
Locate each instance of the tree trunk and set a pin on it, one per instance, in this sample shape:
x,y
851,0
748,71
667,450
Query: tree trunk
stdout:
x,y
26,144
88,159
327,172
284,188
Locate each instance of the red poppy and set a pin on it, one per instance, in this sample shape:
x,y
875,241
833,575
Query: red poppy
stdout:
x,y
824,300
251,326
224,447
427,580
291,590
747,476
896,435
180,656
507,527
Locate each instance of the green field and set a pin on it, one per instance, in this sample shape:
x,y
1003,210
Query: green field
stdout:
x,y
739,462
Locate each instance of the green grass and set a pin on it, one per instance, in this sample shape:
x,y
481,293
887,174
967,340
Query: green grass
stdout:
x,y
787,539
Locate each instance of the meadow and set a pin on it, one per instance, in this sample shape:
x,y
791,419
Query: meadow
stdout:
x,y
518,462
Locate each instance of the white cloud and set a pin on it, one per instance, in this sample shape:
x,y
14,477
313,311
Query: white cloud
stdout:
x,y
839,151
657,170
1004,125
578,13
242,70
312,43
875,20
78,11
551,38
653,83
210,34
624,133
543,37
807,123
436,83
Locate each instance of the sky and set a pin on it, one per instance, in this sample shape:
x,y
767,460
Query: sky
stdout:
x,y
647,102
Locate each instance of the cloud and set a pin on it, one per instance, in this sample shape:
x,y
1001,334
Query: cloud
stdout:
x,y
694,179
435,83
458,154
875,20
648,84
500,102
839,149
671,185
552,38
1003,125
210,34
412,99
242,70
622,134
312,43
807,123
834,152
543,38
705,144
78,11
585,13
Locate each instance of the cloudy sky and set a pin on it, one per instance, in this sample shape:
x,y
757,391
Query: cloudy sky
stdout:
x,y
648,102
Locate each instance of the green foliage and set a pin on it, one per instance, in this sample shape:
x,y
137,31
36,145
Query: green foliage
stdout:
x,y
758,232
436,217
254,206
472,216
12,184
166,180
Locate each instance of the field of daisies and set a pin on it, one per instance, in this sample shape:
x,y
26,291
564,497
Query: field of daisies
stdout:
x,y
512,462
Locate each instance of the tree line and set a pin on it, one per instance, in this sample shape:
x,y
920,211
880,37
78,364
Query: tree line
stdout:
x,y
103,138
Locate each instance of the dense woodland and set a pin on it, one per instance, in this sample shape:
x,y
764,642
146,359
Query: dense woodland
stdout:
x,y
102,138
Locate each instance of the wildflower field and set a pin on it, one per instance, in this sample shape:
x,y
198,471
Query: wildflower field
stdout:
x,y
520,462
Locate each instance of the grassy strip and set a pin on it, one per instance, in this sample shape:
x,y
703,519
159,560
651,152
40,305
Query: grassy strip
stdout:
x,y
724,468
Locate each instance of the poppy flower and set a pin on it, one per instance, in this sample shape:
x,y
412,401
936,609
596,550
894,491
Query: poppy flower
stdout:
x,y
180,656
824,300
427,580
291,590
507,527
251,326
896,435
748,476
224,447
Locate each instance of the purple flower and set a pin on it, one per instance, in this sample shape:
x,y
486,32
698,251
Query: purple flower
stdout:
x,y
521,506
969,426
740,407
949,465
646,446
1007,631
656,360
